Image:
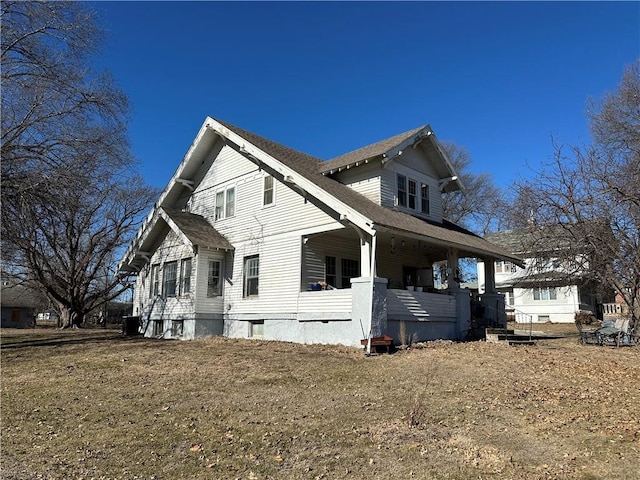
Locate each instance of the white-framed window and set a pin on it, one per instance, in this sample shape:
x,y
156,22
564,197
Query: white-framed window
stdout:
x,y
185,276
225,203
268,191
402,190
505,267
545,293
219,205
251,275
330,271
424,198
154,284
256,328
177,328
338,272
169,278
230,203
158,328
214,278
413,194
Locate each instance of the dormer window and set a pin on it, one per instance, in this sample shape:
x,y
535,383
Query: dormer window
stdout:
x,y
412,194
424,198
402,191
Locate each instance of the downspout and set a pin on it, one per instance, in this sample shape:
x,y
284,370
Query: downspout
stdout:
x,y
372,272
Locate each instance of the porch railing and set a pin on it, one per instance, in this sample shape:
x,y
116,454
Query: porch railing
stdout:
x,y
421,306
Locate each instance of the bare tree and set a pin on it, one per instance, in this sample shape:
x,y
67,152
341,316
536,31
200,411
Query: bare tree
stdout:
x,y
592,195
479,207
70,199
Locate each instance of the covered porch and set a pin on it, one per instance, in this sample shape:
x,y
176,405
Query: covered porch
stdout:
x,y
389,279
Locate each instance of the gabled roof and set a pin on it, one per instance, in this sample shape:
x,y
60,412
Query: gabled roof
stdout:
x,y
369,151
196,229
391,148
304,173
379,216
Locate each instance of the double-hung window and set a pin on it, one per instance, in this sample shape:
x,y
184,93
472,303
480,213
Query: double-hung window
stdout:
x,y
330,272
154,285
220,205
413,194
214,278
225,203
251,275
185,276
338,272
402,191
268,191
169,277
349,269
424,198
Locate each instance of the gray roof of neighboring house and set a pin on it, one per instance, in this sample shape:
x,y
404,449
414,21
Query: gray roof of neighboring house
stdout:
x,y
198,230
310,167
19,296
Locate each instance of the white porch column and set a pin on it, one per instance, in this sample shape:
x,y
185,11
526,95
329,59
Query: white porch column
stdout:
x,y
489,276
365,256
452,264
493,302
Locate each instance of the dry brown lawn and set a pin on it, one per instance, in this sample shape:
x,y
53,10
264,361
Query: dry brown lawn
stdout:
x,y
90,404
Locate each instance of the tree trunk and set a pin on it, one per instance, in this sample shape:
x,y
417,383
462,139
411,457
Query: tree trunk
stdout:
x,y
70,318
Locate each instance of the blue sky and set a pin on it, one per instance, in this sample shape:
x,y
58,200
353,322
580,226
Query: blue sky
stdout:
x,y
500,79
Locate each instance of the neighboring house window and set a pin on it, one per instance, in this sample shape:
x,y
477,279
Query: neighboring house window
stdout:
x,y
412,194
268,190
330,273
505,267
230,205
350,269
508,296
251,274
402,190
220,205
214,279
154,285
544,293
185,276
169,277
424,198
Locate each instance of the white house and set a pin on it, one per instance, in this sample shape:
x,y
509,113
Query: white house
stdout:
x,y
543,289
253,239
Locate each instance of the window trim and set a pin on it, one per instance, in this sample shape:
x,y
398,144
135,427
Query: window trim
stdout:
x,y
551,293
248,276
218,290
340,279
412,196
268,190
401,193
154,284
225,203
166,279
425,201
185,280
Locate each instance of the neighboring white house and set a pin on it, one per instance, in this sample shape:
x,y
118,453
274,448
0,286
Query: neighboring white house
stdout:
x,y
253,239
542,290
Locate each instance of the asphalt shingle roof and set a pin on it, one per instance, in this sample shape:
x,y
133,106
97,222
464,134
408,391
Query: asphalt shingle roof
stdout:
x,y
198,230
311,168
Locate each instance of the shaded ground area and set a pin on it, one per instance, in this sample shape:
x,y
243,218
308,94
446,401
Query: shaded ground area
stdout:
x,y
92,404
